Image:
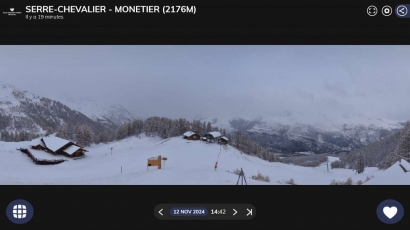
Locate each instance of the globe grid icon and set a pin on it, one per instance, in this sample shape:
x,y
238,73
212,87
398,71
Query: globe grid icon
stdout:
x,y
19,211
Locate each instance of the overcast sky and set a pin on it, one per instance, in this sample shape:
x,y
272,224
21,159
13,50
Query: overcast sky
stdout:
x,y
189,81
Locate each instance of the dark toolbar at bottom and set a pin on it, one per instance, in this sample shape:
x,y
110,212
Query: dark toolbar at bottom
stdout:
x,y
205,211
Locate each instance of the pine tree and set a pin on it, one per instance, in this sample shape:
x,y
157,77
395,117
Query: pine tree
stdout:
x,y
122,132
175,128
229,136
403,147
196,126
203,128
137,126
49,131
360,165
12,137
97,138
63,132
104,137
70,131
208,127
20,136
88,135
79,134
149,126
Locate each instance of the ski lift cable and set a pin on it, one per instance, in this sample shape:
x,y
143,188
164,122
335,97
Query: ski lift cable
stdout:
x,y
216,163
220,149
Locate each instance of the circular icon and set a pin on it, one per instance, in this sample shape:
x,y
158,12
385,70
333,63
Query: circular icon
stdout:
x,y
401,11
387,10
372,10
390,211
20,211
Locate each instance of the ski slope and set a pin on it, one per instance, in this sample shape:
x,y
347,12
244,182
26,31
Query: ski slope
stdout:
x,y
189,163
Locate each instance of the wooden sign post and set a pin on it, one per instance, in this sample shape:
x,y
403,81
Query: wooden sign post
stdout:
x,y
154,161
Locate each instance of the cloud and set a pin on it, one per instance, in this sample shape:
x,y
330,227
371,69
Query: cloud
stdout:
x,y
212,81
336,89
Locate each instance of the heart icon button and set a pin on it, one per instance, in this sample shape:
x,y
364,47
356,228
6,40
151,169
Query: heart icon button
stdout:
x,y
390,212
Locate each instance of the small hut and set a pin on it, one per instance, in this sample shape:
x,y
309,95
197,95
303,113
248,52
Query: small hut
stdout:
x,y
191,136
212,137
223,141
56,145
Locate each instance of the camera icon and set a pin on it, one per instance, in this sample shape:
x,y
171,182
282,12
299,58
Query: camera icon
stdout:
x,y
387,10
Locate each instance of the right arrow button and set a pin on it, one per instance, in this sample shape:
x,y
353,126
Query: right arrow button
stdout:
x,y
235,212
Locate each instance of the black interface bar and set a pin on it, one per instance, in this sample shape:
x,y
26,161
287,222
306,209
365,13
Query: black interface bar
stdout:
x,y
205,211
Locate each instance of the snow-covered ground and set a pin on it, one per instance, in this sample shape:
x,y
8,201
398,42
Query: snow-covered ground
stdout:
x,y
189,163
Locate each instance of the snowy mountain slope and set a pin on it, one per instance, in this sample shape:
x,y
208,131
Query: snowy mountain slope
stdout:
x,y
294,133
24,111
394,175
189,163
103,113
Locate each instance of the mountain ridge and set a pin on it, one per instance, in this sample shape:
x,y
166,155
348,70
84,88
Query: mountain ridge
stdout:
x,y
100,112
294,136
21,110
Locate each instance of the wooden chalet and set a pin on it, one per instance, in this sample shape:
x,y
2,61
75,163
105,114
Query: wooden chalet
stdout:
x,y
58,146
212,136
191,136
223,141
37,146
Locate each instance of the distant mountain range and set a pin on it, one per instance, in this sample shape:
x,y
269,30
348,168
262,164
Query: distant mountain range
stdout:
x,y
23,110
103,113
291,135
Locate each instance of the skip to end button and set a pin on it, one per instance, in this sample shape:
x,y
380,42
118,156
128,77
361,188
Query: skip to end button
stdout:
x,y
249,212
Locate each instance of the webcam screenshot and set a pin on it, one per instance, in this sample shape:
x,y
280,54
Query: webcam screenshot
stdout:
x,y
205,114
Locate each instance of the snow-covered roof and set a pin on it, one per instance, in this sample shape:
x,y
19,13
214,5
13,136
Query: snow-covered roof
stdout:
x,y
54,143
405,164
215,134
391,176
36,142
188,134
225,138
71,149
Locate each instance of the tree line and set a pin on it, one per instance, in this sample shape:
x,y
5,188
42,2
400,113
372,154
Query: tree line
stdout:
x,y
381,154
17,136
164,127
242,143
153,126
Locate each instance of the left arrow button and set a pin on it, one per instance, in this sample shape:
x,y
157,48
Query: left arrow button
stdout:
x,y
160,212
